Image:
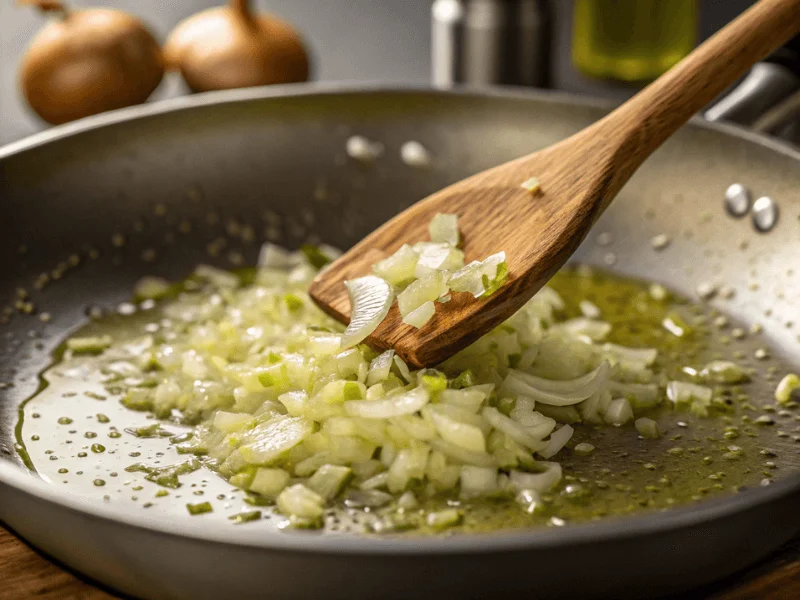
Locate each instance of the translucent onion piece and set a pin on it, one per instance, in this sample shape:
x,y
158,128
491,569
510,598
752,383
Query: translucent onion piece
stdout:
x,y
444,229
557,393
681,392
619,412
643,395
379,367
478,481
424,290
399,267
435,256
393,406
370,300
471,277
647,428
557,441
512,429
418,317
462,455
538,482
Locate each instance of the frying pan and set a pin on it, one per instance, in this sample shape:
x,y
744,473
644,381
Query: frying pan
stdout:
x,y
232,156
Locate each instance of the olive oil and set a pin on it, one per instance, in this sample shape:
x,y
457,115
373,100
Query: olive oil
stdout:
x,y
632,40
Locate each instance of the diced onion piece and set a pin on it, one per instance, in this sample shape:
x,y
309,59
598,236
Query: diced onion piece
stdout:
x,y
421,291
379,367
558,439
299,501
478,481
393,406
443,519
787,388
641,395
465,435
217,277
681,392
619,412
329,480
437,257
647,428
589,309
444,229
268,441
473,277
723,371
594,330
462,455
399,267
370,300
229,422
89,345
532,185
269,482
470,398
418,317
538,482
645,356
512,429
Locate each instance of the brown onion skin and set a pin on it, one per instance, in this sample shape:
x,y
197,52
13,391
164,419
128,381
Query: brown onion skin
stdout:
x,y
90,61
231,47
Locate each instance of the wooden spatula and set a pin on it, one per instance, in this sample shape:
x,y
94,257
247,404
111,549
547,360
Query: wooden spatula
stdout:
x,y
579,178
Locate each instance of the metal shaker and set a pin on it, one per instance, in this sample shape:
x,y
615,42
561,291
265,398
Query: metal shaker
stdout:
x,y
490,42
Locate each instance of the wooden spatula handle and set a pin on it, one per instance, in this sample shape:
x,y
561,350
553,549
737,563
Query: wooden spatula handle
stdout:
x,y
666,104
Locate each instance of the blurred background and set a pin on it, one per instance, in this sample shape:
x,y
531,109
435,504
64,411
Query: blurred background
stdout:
x,y
556,43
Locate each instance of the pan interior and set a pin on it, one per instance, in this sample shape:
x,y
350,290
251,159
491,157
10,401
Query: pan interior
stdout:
x,y
151,198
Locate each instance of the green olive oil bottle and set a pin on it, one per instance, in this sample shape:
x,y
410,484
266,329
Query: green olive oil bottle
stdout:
x,y
632,40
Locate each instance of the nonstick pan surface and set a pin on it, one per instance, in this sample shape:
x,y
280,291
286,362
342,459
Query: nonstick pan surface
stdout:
x,y
153,190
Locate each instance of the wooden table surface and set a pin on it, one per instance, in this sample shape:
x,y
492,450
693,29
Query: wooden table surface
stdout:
x,y
25,574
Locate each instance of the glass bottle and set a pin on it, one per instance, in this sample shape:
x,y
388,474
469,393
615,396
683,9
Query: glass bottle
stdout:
x,y
632,40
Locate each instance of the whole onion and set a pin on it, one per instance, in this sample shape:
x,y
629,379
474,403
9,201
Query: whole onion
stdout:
x,y
87,61
232,47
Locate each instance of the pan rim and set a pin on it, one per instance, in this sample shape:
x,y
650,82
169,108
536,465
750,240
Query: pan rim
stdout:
x,y
610,530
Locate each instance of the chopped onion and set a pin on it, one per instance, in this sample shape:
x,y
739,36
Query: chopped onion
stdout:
x,y
512,429
399,267
478,481
647,428
404,404
419,316
379,367
423,290
558,439
619,412
370,300
538,482
557,393
473,278
444,229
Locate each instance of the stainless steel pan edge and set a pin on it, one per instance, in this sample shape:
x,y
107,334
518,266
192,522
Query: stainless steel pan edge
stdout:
x,y
28,502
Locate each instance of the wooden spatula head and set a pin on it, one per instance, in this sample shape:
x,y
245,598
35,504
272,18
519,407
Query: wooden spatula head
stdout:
x,y
579,177
537,231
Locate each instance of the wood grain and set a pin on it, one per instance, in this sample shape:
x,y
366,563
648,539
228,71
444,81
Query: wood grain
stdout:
x,y
579,178
25,574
